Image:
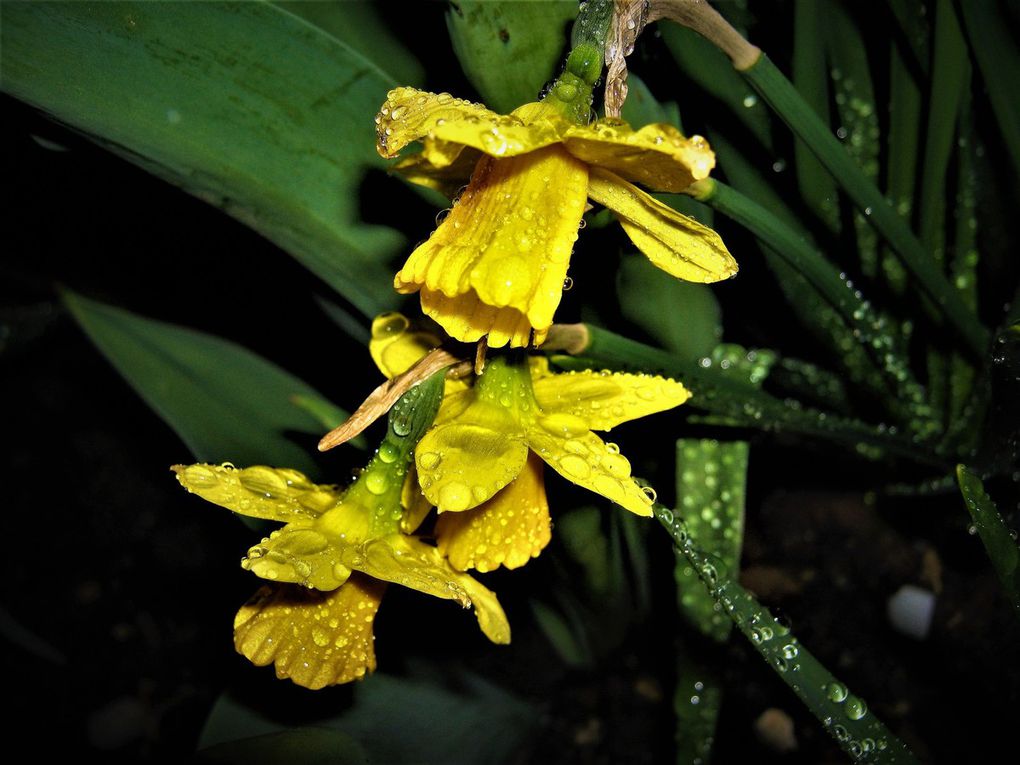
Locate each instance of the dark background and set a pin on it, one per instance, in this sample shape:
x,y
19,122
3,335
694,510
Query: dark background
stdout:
x,y
119,589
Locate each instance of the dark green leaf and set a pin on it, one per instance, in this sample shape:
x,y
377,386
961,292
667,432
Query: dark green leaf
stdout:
x,y
845,716
682,317
509,50
223,401
300,746
242,104
995,535
711,479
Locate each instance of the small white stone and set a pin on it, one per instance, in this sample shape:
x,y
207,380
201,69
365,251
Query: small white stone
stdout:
x,y
910,611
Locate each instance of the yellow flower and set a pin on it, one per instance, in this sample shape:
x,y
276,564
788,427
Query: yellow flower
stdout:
x,y
336,551
482,436
507,530
496,265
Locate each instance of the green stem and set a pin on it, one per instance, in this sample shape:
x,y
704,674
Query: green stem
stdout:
x,y
571,94
716,392
780,94
871,330
845,716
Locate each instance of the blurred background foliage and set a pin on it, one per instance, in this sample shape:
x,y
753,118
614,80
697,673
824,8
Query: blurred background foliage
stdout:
x,y
817,465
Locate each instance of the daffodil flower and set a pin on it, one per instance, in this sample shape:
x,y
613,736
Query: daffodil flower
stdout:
x,y
510,528
496,264
335,553
482,436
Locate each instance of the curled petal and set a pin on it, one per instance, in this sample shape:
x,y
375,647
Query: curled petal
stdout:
x,y
448,177
468,319
603,400
466,460
586,460
510,529
315,639
447,123
656,156
410,562
273,494
678,245
299,553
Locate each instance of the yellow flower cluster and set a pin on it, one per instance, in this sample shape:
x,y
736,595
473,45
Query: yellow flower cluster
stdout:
x,y
493,269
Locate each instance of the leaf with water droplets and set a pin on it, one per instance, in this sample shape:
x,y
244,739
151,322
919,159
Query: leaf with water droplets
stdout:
x,y
711,478
999,542
845,717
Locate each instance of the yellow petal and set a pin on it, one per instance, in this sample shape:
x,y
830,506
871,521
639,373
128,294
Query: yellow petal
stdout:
x,y
416,506
405,560
409,115
315,639
604,400
510,529
466,460
468,319
678,245
509,237
587,461
299,553
395,346
274,494
657,156
448,177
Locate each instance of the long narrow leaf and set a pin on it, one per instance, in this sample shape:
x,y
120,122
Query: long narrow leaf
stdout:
x,y
717,392
845,716
242,104
999,543
223,401
787,103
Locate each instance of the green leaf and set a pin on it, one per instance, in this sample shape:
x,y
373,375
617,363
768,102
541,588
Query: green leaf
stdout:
x,y
225,402
709,68
300,746
845,716
711,479
509,50
723,394
995,535
242,104
454,717
773,86
359,24
691,325
817,187
697,699
995,48
569,647
474,721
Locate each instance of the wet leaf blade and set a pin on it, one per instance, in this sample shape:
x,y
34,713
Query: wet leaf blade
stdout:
x,y
845,717
509,50
185,90
225,402
711,479
995,535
